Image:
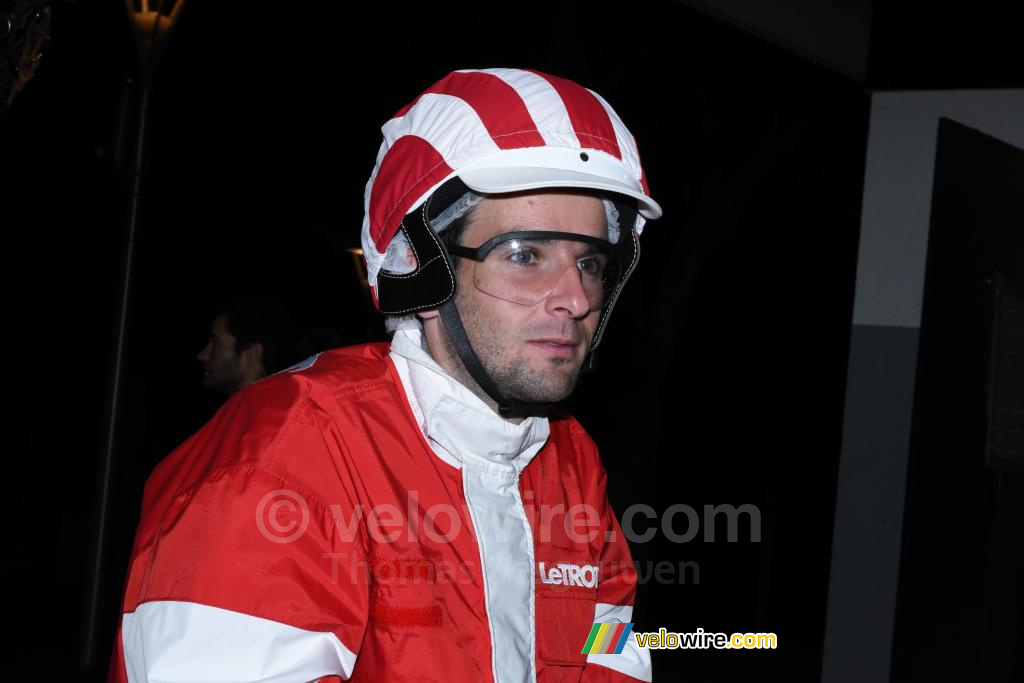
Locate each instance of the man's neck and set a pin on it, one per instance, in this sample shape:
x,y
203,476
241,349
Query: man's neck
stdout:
x,y
440,348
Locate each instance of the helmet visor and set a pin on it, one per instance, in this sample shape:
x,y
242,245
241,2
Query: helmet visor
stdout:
x,y
525,267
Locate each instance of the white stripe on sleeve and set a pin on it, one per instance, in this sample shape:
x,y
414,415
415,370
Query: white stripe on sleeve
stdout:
x,y
634,660
184,642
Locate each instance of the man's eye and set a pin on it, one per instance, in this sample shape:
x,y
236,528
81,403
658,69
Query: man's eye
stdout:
x,y
522,257
591,266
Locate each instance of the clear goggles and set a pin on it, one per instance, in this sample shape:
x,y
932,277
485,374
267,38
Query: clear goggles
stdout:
x,y
525,267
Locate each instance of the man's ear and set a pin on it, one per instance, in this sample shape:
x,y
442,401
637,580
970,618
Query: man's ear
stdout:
x,y
253,354
427,315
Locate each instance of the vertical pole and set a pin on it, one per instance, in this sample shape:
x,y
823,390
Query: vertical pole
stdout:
x,y
95,595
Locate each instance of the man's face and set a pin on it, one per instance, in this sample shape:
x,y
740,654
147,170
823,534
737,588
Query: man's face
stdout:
x,y
221,362
532,352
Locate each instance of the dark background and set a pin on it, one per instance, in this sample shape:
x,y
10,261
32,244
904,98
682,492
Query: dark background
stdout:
x,y
723,372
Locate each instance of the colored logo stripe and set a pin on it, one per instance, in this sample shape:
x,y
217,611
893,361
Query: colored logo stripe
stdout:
x,y
607,639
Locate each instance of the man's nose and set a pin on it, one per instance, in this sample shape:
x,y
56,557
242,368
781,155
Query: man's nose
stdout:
x,y
204,353
569,294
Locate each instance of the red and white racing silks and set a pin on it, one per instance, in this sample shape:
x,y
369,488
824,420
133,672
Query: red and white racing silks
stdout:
x,y
366,517
499,130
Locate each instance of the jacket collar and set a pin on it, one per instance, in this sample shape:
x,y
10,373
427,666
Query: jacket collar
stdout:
x,y
458,425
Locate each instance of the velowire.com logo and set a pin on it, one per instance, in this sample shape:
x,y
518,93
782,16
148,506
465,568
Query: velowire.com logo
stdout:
x,y
607,639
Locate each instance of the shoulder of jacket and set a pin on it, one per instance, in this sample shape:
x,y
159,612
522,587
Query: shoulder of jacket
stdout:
x,y
346,370
578,456
561,421
566,428
353,363
279,409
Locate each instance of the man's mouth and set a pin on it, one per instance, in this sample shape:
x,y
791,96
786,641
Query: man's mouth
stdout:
x,y
558,347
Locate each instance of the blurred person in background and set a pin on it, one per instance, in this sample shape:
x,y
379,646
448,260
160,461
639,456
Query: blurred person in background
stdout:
x,y
247,342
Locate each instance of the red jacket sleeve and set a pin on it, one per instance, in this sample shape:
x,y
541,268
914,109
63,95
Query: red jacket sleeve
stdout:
x,y
240,567
616,590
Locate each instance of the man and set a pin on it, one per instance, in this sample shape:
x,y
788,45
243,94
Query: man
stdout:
x,y
246,343
419,510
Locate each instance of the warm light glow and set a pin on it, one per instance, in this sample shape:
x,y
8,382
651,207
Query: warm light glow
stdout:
x,y
151,24
167,8
146,12
153,21
359,263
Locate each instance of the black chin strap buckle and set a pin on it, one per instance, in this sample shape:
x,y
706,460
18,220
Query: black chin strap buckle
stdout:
x,y
513,408
507,411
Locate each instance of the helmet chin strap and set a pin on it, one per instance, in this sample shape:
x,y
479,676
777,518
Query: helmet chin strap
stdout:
x,y
507,407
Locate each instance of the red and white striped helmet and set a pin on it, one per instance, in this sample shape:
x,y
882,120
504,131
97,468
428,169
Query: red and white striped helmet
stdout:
x,y
498,130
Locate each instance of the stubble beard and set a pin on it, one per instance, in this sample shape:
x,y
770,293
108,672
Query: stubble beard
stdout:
x,y
512,373
225,378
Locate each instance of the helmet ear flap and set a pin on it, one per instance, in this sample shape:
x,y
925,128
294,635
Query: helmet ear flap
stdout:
x,y
430,285
628,249
433,281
